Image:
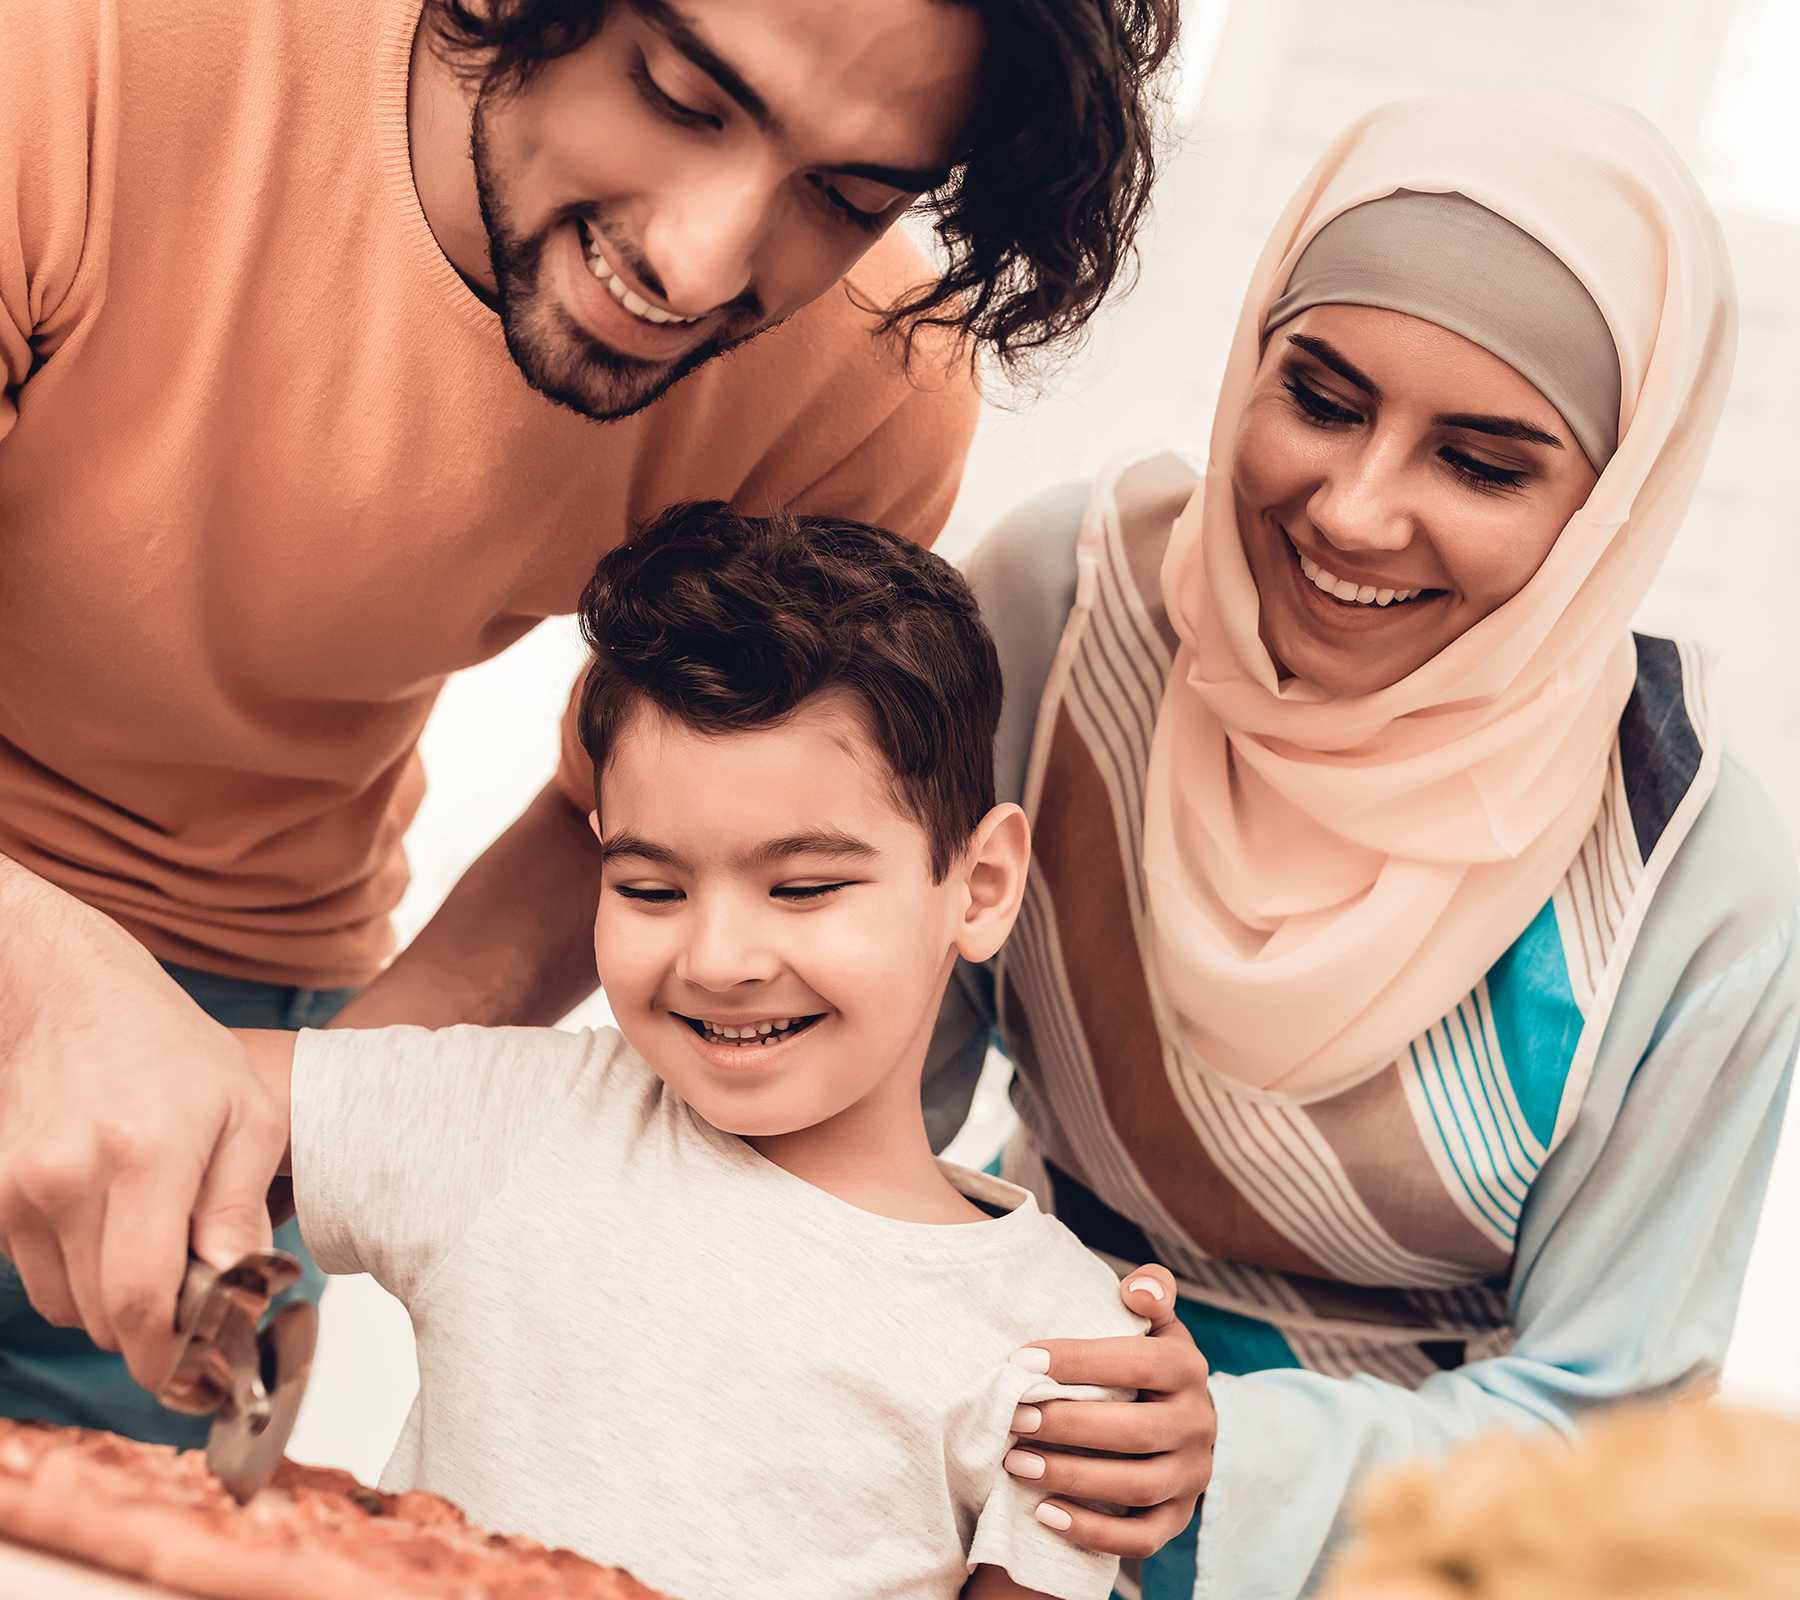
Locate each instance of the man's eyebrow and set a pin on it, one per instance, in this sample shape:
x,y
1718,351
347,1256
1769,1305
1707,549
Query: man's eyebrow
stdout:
x,y
682,33
815,842
617,846
1500,427
1339,363
913,180
687,38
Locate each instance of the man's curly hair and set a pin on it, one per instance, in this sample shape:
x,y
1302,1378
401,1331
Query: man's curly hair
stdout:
x,y
725,622
1037,221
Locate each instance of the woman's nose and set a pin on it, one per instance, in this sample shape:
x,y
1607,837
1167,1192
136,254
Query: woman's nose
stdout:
x,y
1363,504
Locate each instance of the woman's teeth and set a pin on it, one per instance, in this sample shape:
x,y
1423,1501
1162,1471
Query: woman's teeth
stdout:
x,y
635,303
750,1032
1350,593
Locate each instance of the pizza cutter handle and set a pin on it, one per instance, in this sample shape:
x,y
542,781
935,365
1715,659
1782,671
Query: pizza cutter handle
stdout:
x,y
216,1317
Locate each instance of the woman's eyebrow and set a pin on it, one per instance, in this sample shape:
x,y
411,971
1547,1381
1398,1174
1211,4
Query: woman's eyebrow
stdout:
x,y
1339,363
1500,427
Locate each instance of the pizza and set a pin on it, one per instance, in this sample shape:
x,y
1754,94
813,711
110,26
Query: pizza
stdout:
x,y
147,1512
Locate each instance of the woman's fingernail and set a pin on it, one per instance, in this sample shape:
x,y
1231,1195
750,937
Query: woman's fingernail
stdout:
x,y
1023,1464
1032,1359
1027,1419
1149,1285
1053,1516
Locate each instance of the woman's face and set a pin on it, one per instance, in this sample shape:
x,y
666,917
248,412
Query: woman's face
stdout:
x,y
1413,474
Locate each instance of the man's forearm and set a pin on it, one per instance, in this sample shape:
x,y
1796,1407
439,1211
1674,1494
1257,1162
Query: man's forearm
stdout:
x,y
513,942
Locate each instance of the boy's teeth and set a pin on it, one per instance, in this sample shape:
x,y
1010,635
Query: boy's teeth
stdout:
x,y
636,304
1352,594
763,1031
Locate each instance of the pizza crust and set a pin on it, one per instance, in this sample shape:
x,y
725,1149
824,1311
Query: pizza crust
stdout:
x,y
146,1512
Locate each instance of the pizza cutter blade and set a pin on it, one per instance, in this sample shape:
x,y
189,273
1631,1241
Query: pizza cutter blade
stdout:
x,y
253,1380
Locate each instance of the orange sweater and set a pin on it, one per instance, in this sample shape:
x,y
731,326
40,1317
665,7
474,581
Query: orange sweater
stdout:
x,y
268,475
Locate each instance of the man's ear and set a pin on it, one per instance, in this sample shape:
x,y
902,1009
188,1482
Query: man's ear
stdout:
x,y
993,866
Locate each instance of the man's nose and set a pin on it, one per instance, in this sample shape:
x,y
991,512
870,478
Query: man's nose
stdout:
x,y
1364,502
727,946
702,241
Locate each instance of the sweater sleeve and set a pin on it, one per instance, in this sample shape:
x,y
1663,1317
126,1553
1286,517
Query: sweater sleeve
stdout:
x,y
1631,1258
58,135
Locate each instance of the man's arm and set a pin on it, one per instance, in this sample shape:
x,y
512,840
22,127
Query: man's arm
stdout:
x,y
994,1583
129,1126
514,941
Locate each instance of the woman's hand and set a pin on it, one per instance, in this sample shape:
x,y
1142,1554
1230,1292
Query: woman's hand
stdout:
x,y
1164,1438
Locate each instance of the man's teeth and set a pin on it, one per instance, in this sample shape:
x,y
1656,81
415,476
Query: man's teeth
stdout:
x,y
1343,589
635,303
750,1032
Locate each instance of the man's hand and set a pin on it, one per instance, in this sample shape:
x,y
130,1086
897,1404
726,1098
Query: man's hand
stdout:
x,y
129,1123
1165,1437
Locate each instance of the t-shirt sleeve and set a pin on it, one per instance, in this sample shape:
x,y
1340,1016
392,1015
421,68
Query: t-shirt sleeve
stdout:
x,y
1083,1304
58,135
401,1134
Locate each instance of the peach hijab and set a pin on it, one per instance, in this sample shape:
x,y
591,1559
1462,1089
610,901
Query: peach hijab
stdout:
x,y
1326,878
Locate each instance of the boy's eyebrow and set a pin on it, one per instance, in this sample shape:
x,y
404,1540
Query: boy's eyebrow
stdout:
x,y
617,846
685,36
814,842
829,842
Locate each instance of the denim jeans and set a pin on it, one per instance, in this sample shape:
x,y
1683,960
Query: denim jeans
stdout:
x,y
58,1374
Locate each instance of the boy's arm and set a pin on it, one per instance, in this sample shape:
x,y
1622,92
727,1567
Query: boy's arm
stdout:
x,y
994,1583
271,1054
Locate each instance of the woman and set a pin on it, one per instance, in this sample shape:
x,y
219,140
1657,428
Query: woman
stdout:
x,y
1404,966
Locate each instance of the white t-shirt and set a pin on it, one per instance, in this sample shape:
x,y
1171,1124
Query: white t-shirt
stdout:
x,y
640,1339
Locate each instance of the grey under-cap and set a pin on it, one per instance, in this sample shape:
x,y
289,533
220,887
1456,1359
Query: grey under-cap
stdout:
x,y
1451,261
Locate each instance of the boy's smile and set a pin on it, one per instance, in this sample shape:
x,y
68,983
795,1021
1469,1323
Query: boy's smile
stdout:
x,y
769,933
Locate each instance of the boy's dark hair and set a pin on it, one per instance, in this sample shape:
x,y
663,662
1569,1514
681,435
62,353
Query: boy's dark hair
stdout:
x,y
1037,221
725,622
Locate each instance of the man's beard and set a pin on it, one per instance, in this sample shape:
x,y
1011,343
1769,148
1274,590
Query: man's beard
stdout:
x,y
559,359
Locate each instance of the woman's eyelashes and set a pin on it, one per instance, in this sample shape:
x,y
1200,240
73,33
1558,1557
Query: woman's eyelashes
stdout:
x,y
1318,407
1482,475
1322,411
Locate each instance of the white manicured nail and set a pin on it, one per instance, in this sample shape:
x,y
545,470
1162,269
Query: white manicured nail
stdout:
x,y
1149,1285
1053,1516
1027,1419
1023,1464
1032,1359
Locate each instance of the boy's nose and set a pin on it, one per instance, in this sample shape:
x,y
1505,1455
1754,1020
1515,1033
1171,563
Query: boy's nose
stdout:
x,y
725,953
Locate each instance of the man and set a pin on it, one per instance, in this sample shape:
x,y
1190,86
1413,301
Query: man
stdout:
x,y
309,315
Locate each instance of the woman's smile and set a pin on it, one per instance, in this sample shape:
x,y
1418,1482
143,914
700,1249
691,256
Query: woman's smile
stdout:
x,y
1340,602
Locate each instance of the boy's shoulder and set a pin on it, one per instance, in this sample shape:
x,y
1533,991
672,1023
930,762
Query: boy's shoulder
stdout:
x,y
1052,1286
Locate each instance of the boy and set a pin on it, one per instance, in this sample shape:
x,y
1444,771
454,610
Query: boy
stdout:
x,y
694,1297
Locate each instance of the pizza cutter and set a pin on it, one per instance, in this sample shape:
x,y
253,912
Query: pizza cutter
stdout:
x,y
252,1378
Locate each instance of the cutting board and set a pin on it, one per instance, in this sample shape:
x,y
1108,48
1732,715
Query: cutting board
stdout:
x,y
27,1574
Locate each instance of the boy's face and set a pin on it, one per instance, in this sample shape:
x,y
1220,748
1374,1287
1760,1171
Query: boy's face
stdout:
x,y
769,935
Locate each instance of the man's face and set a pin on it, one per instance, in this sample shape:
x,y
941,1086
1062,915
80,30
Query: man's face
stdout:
x,y
700,170
769,935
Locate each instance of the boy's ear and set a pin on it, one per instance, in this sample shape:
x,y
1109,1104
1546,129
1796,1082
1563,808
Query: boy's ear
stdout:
x,y
594,823
994,865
